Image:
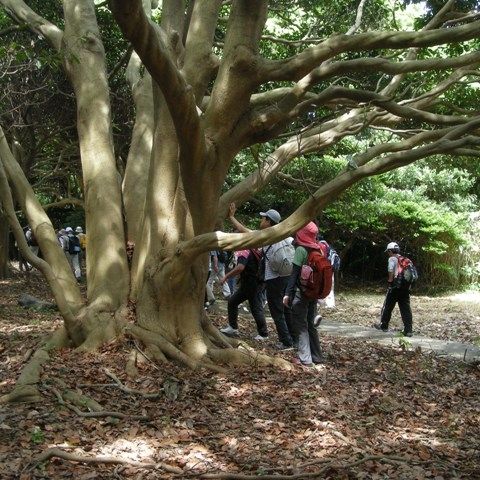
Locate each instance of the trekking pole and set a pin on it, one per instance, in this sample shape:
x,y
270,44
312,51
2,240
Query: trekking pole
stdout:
x,y
389,289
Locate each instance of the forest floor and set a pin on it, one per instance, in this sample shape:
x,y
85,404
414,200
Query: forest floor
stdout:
x,y
371,412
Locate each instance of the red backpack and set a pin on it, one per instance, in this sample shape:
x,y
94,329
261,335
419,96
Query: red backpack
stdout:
x,y
316,276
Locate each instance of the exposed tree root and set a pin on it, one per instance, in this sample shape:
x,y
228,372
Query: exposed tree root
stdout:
x,y
57,453
131,366
329,465
209,365
132,391
155,353
215,335
76,398
332,464
221,350
242,356
102,327
150,338
26,388
96,414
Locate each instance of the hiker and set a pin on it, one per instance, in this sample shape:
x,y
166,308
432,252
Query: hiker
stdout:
x,y
334,259
397,292
218,260
302,308
83,245
62,238
275,280
73,252
32,241
229,266
249,288
206,302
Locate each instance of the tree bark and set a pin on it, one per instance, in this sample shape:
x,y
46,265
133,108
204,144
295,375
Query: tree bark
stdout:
x,y
4,245
107,268
138,161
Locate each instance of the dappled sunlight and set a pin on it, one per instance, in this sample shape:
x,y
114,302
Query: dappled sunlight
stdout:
x,y
138,449
366,400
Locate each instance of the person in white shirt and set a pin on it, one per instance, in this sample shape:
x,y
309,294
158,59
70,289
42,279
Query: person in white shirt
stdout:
x,y
274,283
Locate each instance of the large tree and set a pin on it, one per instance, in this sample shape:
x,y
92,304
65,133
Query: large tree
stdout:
x,y
209,80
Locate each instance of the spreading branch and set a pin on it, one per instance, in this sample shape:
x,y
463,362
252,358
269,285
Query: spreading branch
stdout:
x,y
297,67
23,14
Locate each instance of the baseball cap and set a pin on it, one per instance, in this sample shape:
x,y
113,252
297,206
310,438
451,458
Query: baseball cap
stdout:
x,y
272,215
392,246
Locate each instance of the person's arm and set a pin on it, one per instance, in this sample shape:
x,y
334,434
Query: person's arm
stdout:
x,y
233,273
392,265
292,282
238,225
215,262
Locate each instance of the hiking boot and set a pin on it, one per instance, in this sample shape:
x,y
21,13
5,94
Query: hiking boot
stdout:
x,y
229,331
408,334
381,327
281,346
297,361
260,338
317,320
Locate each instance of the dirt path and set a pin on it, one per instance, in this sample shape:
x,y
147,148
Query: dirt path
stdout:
x,y
455,317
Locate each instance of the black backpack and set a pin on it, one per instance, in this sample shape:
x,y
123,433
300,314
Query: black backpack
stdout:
x,y
253,268
73,244
222,256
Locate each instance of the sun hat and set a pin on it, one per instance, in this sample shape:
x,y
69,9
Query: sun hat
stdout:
x,y
79,230
307,236
272,214
69,229
392,246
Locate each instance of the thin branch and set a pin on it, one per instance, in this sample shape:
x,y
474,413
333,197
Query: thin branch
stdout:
x,y
13,28
465,18
293,43
63,202
358,18
122,61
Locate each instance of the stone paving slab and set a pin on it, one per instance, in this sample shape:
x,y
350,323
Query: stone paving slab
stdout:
x,y
461,351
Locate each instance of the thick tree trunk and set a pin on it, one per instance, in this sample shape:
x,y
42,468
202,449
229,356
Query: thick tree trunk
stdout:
x,y
107,268
4,244
136,173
